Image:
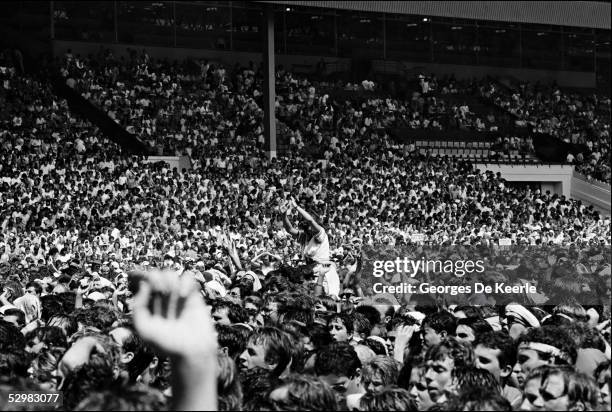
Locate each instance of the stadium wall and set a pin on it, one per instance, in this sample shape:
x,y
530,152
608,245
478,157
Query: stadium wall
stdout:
x,y
592,192
178,162
305,63
556,178
559,179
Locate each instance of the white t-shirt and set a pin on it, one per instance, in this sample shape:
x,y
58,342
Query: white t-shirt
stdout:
x,y
316,248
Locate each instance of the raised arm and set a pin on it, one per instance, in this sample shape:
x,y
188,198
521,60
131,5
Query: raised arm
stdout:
x,y
287,223
307,217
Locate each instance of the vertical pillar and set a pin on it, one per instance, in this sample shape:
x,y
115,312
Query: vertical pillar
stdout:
x,y
174,22
52,20
115,22
384,27
231,18
269,83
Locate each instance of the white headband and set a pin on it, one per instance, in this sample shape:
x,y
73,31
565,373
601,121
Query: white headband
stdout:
x,y
548,349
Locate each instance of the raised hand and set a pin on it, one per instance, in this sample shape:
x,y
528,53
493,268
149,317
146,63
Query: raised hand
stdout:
x,y
170,314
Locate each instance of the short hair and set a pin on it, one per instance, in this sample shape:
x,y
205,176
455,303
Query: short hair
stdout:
x,y
308,393
256,385
572,309
35,285
390,398
235,312
384,366
361,324
143,355
52,336
470,311
500,341
21,317
337,358
346,320
479,399
553,336
471,377
478,325
369,312
441,321
11,337
67,324
461,353
96,316
135,398
319,335
232,338
277,346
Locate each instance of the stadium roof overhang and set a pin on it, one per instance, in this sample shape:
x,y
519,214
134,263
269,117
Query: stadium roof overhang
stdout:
x,y
591,14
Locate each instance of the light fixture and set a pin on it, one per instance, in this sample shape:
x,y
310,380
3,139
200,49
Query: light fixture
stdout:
x,y
288,9
411,25
541,34
425,19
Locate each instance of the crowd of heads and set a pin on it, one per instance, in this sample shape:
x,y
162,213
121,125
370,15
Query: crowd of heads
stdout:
x,y
82,221
573,117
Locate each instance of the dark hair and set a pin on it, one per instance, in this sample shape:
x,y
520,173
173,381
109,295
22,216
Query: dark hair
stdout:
x,y
500,341
256,385
235,312
478,325
319,335
143,355
369,312
232,338
470,311
479,399
52,336
136,398
470,377
306,392
553,336
96,316
441,321
461,353
338,358
277,346
36,286
11,337
385,366
361,324
21,317
14,363
390,398
346,320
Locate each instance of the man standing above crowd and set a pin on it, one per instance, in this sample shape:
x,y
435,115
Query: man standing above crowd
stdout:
x,y
315,248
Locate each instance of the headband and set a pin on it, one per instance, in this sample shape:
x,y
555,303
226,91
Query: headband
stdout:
x,y
522,312
547,349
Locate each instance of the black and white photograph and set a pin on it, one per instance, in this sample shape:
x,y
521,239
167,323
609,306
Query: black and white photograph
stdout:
x,y
305,206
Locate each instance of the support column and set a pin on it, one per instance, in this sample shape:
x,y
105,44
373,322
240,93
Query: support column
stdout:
x,y
52,20
269,83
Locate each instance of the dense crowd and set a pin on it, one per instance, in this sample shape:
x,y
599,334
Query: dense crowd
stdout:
x,y
572,117
178,108
256,303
